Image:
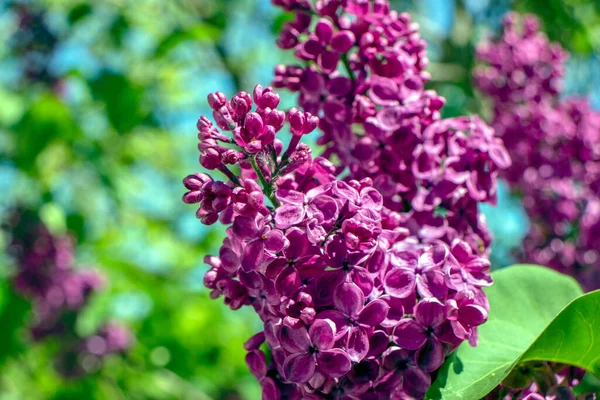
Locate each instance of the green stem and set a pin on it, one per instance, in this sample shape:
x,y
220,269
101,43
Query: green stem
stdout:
x,y
346,63
266,185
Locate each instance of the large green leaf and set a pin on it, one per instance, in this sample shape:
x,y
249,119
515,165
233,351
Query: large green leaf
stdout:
x,y
536,314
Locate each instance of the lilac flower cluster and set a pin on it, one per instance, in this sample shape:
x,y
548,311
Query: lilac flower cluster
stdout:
x,y
353,306
45,275
554,144
539,380
363,75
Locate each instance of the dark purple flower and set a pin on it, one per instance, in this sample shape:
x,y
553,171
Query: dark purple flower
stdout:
x,y
421,334
259,238
354,319
313,349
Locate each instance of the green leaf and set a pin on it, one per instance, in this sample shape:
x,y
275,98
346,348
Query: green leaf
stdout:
x,y
202,32
280,20
535,314
123,100
589,384
13,315
79,12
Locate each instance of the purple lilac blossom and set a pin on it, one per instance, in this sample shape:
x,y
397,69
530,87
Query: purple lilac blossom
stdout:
x,y
363,74
45,275
353,306
554,144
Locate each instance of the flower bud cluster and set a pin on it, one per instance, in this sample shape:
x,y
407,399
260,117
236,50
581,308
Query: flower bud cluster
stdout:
x,y
352,304
46,276
554,144
363,74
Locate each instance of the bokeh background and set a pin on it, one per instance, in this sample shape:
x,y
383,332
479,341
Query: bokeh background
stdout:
x,y
98,104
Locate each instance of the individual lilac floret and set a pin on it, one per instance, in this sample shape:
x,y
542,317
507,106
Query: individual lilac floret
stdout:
x,y
337,282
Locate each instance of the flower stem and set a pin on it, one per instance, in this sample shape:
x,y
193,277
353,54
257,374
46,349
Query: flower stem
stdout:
x,y
267,187
346,63
229,174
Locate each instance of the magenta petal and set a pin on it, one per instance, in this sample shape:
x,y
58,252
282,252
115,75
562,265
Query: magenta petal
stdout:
x,y
378,342
432,284
290,197
289,215
294,340
328,61
299,368
253,253
358,344
371,198
300,244
325,205
275,241
349,299
431,356
374,313
334,363
409,334
322,334
288,282
363,279
230,261
244,227
338,319
269,389
416,382
343,41
430,313
472,314
458,330
400,282
257,363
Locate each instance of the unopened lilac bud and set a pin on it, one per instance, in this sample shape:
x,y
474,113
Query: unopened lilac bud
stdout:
x,y
382,7
327,8
196,181
241,104
278,144
297,159
223,118
288,37
253,124
275,118
231,156
211,158
343,41
265,97
255,341
216,100
296,119
258,89
203,123
311,123
207,218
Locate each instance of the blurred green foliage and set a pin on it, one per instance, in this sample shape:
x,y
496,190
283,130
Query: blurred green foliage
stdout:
x,y
98,134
